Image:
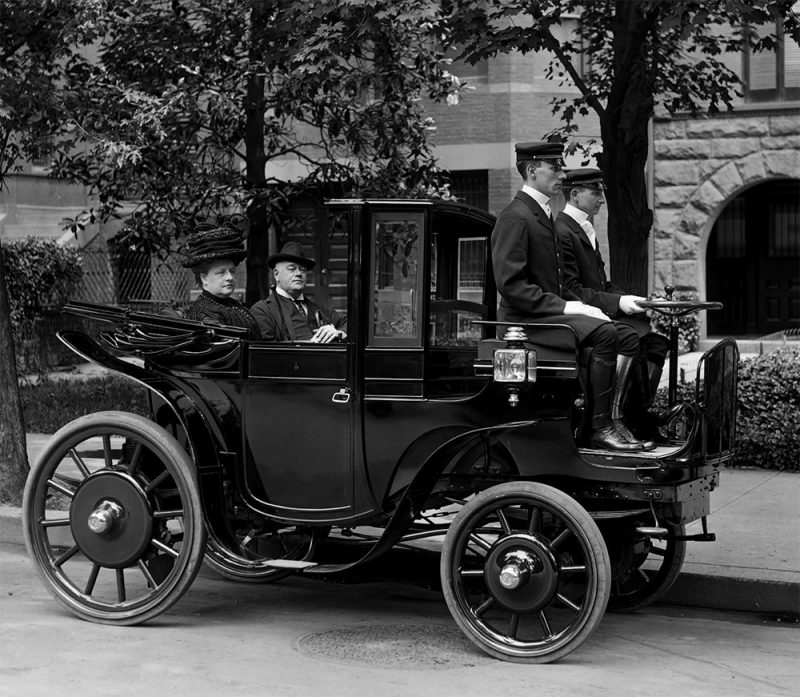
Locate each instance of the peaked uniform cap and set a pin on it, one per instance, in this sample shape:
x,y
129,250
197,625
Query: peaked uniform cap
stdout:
x,y
291,251
586,176
540,150
210,242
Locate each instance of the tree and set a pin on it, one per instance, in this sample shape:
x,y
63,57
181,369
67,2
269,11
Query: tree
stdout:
x,y
644,55
188,101
37,38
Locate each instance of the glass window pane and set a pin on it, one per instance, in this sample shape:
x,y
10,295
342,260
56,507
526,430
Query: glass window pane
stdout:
x,y
396,245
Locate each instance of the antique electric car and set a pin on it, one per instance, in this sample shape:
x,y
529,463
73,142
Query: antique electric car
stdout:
x,y
422,427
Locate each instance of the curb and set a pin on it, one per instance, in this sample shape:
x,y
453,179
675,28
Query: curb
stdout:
x,y
735,594
709,591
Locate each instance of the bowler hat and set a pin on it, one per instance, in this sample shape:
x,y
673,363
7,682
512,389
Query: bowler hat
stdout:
x,y
540,150
291,251
209,242
586,176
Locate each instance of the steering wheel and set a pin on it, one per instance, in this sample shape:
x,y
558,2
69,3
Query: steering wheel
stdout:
x,y
674,309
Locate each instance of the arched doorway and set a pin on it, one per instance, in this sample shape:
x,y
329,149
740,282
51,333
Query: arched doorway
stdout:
x,y
753,261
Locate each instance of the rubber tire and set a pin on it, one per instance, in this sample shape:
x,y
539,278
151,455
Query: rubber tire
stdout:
x,y
175,460
582,525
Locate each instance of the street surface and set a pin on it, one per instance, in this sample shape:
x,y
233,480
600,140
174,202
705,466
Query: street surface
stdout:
x,y
303,638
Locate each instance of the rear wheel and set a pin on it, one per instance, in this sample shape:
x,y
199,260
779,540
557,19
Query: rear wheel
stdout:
x,y
643,568
525,572
112,518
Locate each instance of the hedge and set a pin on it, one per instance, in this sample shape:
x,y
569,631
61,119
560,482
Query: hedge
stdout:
x,y
51,402
768,410
768,420
41,276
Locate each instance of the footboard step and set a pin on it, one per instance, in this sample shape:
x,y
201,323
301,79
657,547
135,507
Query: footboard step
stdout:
x,y
290,564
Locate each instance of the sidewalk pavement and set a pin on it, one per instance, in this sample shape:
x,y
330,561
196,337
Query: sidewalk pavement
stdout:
x,y
754,565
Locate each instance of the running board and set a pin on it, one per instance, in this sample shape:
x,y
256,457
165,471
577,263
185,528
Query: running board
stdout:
x,y
290,564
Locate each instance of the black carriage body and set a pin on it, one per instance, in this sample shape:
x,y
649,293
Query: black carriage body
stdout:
x,y
406,408
265,459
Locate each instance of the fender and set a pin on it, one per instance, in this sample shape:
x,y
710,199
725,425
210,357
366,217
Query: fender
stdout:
x,y
204,441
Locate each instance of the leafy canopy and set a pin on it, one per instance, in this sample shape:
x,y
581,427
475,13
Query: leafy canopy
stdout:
x,y
187,102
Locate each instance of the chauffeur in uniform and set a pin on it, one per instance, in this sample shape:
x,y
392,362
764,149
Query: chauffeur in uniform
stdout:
x,y
287,315
584,275
529,272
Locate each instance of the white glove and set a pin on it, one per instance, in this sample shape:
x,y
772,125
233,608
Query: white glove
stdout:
x,y
627,303
575,307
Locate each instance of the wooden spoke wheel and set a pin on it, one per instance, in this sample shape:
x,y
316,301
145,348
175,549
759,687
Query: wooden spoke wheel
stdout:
x,y
112,518
525,572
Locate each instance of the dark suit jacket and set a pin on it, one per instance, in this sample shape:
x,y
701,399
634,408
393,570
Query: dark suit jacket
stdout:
x,y
279,324
585,275
529,270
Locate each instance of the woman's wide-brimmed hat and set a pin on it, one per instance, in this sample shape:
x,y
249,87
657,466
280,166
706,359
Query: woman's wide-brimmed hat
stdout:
x,y
291,251
209,242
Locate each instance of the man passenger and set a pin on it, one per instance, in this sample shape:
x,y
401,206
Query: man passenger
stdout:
x,y
529,271
287,314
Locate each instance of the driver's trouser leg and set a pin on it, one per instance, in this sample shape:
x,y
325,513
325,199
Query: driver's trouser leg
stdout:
x,y
602,371
625,378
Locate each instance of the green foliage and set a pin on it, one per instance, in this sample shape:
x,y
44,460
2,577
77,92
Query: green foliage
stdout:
x,y
189,103
39,39
40,275
768,423
51,402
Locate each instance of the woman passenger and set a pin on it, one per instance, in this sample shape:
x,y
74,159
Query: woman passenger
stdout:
x,y
213,254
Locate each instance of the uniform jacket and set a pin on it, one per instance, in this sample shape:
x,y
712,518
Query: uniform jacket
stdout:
x,y
226,311
529,268
279,324
585,275
584,271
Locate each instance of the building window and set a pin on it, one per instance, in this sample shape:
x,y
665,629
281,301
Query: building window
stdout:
x,y
471,187
773,76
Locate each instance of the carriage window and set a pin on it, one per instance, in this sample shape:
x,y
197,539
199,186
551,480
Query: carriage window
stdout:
x,y
396,301
457,290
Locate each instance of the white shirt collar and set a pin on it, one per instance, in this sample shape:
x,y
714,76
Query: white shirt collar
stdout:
x,y
538,196
283,293
576,214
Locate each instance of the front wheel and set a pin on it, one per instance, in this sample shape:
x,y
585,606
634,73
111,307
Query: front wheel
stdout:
x,y
112,518
525,572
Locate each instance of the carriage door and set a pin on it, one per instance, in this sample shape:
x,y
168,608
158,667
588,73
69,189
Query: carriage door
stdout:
x,y
298,416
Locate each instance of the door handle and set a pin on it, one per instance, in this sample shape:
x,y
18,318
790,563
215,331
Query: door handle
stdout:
x,y
342,396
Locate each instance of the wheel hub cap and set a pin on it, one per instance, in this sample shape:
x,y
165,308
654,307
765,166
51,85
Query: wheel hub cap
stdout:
x,y
102,518
111,519
521,572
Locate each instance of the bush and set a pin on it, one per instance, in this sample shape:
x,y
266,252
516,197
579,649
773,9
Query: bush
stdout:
x,y
41,275
768,421
52,402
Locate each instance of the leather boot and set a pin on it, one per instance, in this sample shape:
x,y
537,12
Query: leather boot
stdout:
x,y
662,416
621,390
604,434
